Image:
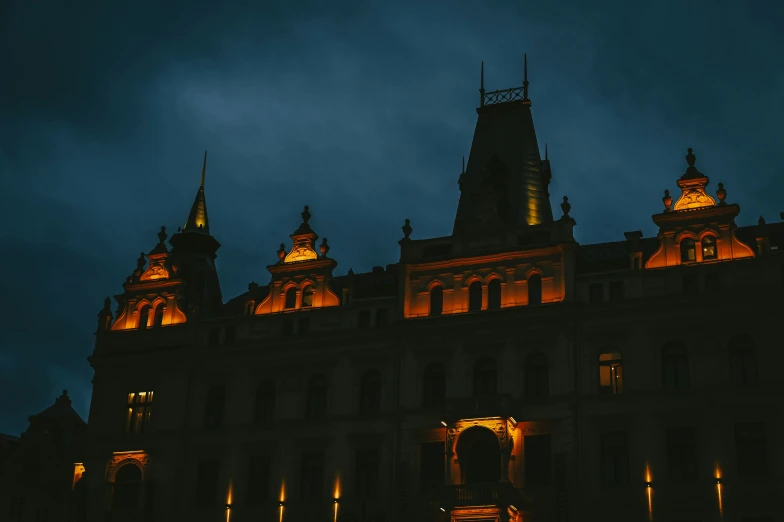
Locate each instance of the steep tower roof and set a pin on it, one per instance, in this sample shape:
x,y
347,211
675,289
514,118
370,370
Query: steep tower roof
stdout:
x,y
505,182
197,219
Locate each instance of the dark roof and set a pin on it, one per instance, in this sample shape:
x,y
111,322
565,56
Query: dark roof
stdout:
x,y
236,305
378,283
61,410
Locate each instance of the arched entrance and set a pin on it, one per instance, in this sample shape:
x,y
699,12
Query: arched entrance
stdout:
x,y
127,491
479,455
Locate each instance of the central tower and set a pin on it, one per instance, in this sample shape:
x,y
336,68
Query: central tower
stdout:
x,y
505,183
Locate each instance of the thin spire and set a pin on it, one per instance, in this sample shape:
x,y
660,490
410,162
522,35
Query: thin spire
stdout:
x,y
482,86
463,171
203,169
525,76
545,151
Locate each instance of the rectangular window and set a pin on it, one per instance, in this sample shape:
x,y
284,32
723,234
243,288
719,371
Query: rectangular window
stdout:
x,y
312,475
382,317
207,475
363,320
258,488
287,328
691,284
138,413
596,293
431,467
230,335
751,449
682,454
614,458
617,291
304,325
712,282
367,472
538,460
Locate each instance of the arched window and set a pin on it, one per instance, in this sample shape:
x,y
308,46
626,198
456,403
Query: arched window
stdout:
x,y
675,366
485,377
479,455
158,317
291,298
307,296
535,289
316,400
688,251
144,317
611,373
434,386
494,294
370,393
475,297
743,361
127,488
264,408
436,301
709,248
537,377
215,406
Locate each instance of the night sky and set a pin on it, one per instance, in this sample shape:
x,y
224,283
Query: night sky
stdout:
x,y
360,110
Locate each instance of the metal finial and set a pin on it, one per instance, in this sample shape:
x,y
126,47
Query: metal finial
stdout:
x,y
545,152
203,169
407,228
482,86
463,171
306,214
162,235
525,76
691,158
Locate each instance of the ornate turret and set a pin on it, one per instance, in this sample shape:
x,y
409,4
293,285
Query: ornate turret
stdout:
x,y
696,229
195,250
505,182
301,278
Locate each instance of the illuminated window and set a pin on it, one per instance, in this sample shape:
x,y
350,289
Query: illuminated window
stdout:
x,y
139,411
291,298
312,475
485,377
675,366
743,362
494,294
158,317
258,486
614,458
144,318
434,386
708,248
611,373
538,460
682,454
307,296
127,488
370,393
264,408
688,251
537,378
316,400
475,297
436,301
367,471
207,474
535,289
431,467
751,449
215,406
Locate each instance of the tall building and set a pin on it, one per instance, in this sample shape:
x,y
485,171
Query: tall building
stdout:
x,y
504,372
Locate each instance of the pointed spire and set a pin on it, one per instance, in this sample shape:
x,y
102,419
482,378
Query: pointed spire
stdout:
x,y
203,169
463,171
197,219
482,86
546,156
525,77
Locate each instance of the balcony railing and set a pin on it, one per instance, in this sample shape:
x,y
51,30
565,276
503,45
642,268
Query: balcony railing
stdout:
x,y
480,494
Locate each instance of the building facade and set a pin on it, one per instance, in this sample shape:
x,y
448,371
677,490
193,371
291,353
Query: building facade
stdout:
x,y
504,372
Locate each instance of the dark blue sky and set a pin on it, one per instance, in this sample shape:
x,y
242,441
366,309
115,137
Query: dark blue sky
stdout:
x,y
360,110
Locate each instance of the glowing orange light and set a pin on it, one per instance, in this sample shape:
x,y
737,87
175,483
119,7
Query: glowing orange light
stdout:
x,y
282,499
649,490
77,474
337,497
718,491
228,502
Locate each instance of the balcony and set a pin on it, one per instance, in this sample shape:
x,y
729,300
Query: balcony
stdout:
x,y
481,494
479,407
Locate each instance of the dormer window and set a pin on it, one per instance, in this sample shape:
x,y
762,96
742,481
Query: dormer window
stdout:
x,y
494,294
291,298
688,251
144,317
475,297
436,301
307,296
708,248
158,317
